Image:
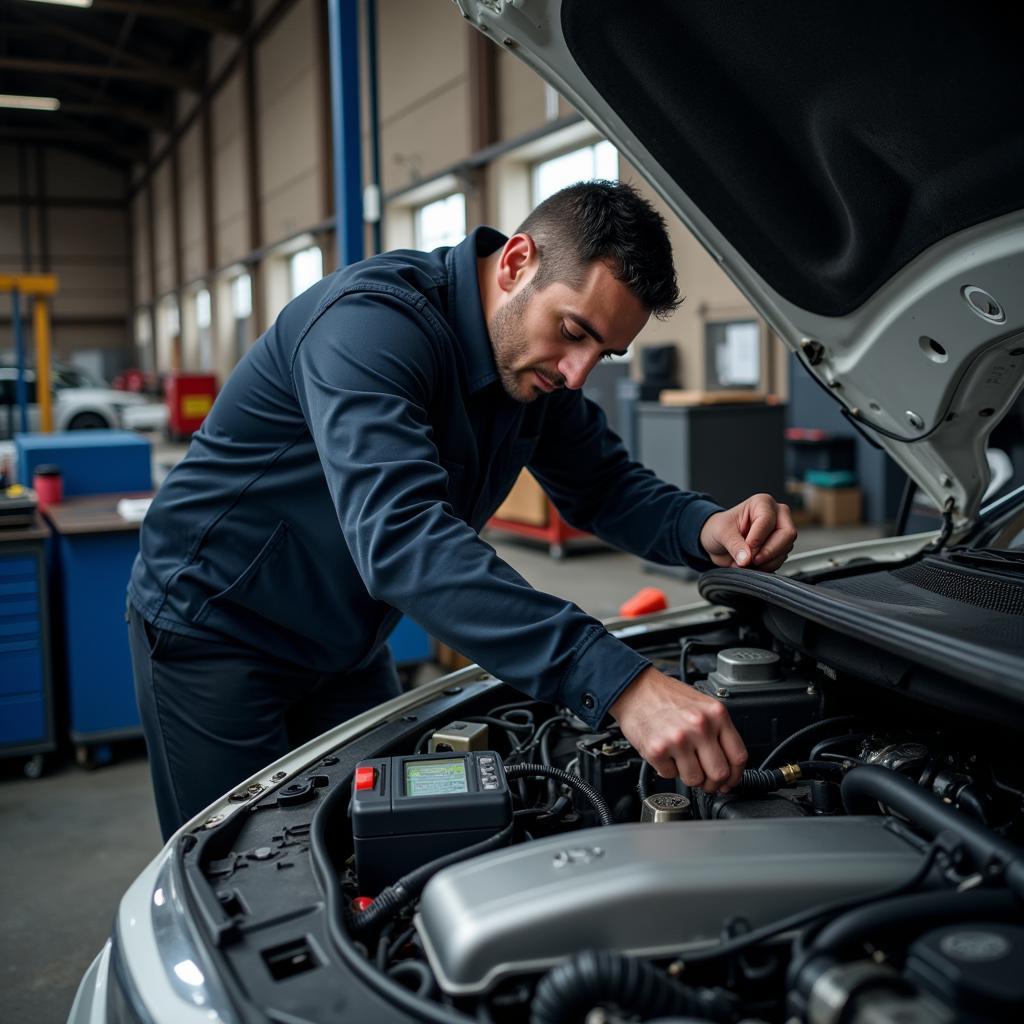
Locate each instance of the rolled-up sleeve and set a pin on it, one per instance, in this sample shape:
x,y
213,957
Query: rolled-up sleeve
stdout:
x,y
366,373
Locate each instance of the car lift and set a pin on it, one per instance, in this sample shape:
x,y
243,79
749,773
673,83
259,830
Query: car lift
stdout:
x,y
39,287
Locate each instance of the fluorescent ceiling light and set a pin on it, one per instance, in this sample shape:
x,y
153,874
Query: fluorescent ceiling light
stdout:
x,y
30,102
66,3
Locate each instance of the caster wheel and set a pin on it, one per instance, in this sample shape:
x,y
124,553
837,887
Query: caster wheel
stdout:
x,y
85,758
33,767
556,551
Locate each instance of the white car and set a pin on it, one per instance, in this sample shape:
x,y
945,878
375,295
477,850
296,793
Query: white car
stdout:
x,y
80,402
463,854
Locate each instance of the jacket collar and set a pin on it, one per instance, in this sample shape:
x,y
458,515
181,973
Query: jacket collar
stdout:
x,y
467,310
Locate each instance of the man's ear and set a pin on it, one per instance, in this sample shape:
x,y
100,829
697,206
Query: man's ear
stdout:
x,y
517,262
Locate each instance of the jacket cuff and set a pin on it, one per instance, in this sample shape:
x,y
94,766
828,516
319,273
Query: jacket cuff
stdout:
x,y
602,669
691,522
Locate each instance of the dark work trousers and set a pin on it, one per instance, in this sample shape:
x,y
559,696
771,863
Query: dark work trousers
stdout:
x,y
216,713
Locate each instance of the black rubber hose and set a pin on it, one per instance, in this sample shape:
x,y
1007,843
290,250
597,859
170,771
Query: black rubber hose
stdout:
x,y
417,972
521,771
864,787
758,780
755,781
643,786
326,875
395,897
567,993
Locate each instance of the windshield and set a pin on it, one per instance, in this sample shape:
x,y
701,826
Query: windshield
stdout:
x,y
74,377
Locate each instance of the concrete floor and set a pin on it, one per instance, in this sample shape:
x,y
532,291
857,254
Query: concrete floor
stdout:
x,y
74,840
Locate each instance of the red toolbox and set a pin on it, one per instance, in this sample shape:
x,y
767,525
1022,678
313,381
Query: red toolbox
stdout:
x,y
189,397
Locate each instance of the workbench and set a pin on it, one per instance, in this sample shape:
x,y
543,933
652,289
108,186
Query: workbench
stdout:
x,y
95,549
26,678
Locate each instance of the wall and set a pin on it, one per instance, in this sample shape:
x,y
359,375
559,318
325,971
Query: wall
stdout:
x,y
62,213
429,88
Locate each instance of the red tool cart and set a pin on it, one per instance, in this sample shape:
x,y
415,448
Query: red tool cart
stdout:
x,y
189,397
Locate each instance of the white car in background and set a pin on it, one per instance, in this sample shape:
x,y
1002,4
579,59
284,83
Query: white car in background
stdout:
x,y
80,402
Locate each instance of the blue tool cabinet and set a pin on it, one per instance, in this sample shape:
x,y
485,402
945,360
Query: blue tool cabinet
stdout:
x,y
91,461
26,691
95,549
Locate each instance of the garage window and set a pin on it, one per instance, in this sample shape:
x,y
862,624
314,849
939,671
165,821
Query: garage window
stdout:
x,y
241,313
203,319
601,160
305,268
442,222
733,354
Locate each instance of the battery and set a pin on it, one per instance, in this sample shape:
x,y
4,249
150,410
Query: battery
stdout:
x,y
409,810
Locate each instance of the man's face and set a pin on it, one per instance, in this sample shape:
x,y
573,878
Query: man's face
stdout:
x,y
552,338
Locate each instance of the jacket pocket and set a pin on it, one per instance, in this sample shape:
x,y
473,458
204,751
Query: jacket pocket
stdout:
x,y
247,575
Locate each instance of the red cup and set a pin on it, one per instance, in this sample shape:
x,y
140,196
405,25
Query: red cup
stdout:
x,y
48,484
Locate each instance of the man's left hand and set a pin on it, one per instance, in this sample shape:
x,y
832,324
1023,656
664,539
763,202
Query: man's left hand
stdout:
x,y
757,533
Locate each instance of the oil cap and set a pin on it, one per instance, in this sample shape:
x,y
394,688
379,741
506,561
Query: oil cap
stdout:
x,y
661,807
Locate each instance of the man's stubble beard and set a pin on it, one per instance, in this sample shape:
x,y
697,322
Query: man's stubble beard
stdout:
x,y
511,345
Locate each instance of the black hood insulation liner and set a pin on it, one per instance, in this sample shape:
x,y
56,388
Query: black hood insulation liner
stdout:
x,y
830,143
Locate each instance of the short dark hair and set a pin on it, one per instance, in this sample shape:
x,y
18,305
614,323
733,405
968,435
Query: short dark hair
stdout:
x,y
609,221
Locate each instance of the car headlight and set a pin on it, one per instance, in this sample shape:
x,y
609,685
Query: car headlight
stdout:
x,y
156,951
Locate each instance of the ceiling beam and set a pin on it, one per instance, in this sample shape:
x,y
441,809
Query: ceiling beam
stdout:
x,y
74,137
166,77
187,13
34,25
149,119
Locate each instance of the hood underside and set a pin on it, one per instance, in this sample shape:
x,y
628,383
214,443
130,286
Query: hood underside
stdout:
x,y
857,170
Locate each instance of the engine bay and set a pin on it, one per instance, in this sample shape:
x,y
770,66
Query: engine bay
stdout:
x,y
491,858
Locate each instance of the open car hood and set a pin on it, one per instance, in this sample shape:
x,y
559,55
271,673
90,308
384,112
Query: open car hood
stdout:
x,y
857,170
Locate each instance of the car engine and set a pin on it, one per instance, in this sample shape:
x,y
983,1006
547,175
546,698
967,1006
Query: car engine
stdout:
x,y
491,858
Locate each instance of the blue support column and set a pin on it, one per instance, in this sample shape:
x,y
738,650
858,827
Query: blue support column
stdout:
x,y
343,27
21,392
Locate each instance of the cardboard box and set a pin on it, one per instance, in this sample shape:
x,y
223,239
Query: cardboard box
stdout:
x,y
526,503
834,506
448,658
726,396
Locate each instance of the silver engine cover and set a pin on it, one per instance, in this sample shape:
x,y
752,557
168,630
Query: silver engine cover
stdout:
x,y
646,890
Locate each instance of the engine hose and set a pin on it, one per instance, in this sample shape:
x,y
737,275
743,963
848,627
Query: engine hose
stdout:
x,y
520,771
643,785
393,898
767,780
866,786
568,993
897,919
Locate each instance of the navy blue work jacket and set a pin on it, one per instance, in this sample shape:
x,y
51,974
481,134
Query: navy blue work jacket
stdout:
x,y
345,470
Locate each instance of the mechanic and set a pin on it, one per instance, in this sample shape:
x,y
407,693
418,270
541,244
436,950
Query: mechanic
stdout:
x,y
345,470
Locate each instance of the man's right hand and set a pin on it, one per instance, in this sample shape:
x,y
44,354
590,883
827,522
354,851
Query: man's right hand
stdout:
x,y
680,731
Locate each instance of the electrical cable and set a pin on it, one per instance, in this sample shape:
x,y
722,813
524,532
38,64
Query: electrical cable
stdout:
x,y
804,917
394,898
800,733
604,814
384,986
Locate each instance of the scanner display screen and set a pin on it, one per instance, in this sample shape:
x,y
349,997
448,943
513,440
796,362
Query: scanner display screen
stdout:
x,y
430,778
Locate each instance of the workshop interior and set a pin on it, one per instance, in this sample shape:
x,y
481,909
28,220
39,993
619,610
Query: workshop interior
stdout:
x,y
843,189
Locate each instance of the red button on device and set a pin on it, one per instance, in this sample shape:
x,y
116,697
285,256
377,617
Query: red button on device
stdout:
x,y
366,777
